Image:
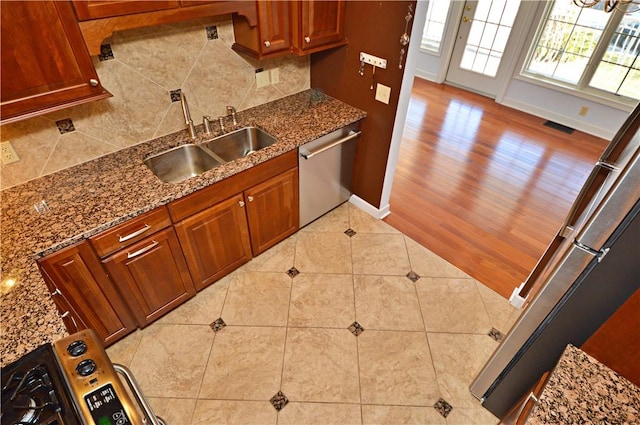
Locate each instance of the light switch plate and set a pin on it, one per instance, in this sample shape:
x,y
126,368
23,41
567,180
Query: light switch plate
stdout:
x,y
383,93
275,76
262,79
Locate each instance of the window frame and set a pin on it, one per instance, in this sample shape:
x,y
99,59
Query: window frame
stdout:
x,y
444,30
582,87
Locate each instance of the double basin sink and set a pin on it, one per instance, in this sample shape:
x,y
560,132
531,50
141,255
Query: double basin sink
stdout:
x,y
186,161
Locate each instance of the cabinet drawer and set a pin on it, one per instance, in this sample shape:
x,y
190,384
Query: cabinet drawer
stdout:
x,y
132,231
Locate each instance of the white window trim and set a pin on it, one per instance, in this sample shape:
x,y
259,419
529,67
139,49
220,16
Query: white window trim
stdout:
x,y
622,103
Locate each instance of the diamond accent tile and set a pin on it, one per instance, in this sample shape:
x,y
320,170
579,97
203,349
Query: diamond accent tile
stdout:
x,y
356,328
218,324
105,52
65,126
175,95
496,334
212,32
350,232
443,407
293,272
413,276
279,400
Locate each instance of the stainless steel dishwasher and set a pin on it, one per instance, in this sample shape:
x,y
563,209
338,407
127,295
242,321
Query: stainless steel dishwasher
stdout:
x,y
325,172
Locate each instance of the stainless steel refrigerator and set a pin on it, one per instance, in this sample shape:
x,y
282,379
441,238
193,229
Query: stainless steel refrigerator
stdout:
x,y
590,269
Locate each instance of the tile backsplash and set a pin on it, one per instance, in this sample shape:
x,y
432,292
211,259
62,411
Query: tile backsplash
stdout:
x,y
145,66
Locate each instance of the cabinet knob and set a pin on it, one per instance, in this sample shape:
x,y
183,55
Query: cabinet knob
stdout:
x,y
250,198
241,204
93,82
267,44
307,39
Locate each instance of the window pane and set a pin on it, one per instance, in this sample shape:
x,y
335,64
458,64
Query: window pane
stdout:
x,y
495,13
488,35
482,10
434,25
475,33
608,77
631,85
570,68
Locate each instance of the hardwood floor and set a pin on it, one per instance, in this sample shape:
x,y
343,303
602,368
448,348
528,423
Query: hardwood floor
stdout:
x,y
484,186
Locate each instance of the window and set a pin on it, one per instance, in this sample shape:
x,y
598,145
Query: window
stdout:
x,y
434,25
587,50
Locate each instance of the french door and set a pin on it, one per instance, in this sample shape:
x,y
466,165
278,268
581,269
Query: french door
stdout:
x,y
484,45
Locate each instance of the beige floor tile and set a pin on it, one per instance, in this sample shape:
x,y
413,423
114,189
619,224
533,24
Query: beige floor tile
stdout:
x,y
322,300
457,359
452,305
171,359
321,365
202,309
380,254
478,416
427,264
323,253
215,412
395,368
336,221
122,352
256,298
400,415
498,307
276,259
387,303
362,222
174,411
245,364
320,414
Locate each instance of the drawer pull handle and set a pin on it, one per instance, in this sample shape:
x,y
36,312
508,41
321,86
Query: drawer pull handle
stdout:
x,y
142,250
134,234
56,292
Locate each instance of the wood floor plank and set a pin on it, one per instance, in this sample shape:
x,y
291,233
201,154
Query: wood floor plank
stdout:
x,y
482,185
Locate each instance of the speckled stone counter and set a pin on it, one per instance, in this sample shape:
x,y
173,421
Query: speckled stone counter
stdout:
x,y
89,198
581,390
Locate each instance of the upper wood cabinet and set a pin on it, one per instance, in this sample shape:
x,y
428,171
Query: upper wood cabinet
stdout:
x,y
299,27
94,9
84,295
45,63
317,25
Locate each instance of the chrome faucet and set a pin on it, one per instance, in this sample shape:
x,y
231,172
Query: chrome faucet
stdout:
x,y
187,116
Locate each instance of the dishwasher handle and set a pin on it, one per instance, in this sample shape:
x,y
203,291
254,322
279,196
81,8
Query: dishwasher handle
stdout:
x,y
310,154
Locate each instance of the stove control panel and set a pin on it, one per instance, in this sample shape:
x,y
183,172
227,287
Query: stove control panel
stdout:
x,y
97,389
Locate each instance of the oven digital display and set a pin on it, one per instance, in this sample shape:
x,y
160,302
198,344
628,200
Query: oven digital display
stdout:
x,y
105,407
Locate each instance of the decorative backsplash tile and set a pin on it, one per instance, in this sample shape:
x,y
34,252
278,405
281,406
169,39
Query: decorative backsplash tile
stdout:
x,y
139,67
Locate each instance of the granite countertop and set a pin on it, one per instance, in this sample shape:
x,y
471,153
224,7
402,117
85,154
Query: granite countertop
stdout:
x,y
91,197
582,390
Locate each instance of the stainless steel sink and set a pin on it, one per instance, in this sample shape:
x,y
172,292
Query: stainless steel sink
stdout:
x,y
181,163
240,143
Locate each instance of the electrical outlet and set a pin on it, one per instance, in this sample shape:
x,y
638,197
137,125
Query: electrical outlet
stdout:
x,y
262,79
275,76
9,155
583,111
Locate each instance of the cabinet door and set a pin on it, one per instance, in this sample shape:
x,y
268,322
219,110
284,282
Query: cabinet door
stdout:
x,y
45,63
215,241
321,23
94,9
154,275
272,210
273,19
84,295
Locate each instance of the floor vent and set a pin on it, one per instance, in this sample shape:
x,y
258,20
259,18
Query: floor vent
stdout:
x,y
559,127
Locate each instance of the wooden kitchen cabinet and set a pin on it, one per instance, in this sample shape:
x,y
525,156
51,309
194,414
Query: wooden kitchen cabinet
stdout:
x,y
215,241
45,63
299,27
272,210
84,295
94,9
317,25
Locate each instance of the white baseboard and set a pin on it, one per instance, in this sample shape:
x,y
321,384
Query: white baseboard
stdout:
x,y
378,213
559,118
427,76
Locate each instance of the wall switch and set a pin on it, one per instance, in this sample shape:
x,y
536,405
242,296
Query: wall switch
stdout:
x,y
373,60
262,79
275,76
383,93
9,155
583,111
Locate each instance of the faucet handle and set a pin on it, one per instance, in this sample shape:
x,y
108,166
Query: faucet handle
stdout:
x,y
206,123
232,111
221,121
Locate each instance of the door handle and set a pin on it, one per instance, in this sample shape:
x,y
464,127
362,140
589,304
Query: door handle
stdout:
x,y
465,19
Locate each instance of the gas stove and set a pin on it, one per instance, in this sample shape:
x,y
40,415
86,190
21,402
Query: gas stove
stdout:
x,y
72,382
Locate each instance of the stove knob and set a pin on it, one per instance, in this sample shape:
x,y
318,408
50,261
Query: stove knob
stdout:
x,y
77,348
86,367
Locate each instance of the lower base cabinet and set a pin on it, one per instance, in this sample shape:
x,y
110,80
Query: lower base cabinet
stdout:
x,y
84,295
153,274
